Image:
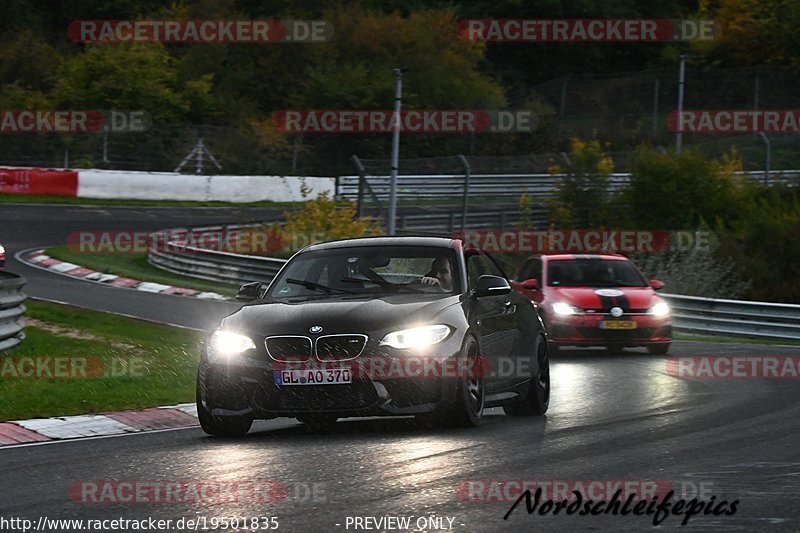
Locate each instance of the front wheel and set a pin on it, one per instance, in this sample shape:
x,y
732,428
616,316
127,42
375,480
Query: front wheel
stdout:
x,y
538,399
220,426
465,408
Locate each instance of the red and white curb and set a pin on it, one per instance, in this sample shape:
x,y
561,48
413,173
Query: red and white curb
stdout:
x,y
37,258
75,427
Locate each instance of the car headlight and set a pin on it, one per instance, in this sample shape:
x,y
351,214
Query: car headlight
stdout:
x,y
660,309
416,337
227,343
2,250
564,309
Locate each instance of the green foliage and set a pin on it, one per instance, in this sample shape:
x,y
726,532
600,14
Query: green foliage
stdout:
x,y
329,219
766,247
696,272
130,77
669,191
751,32
525,212
583,199
321,219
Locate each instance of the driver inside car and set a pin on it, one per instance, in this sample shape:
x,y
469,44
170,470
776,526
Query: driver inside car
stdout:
x,y
440,274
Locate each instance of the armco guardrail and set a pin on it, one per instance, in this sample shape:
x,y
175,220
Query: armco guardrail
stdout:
x,y
169,253
11,310
538,186
736,318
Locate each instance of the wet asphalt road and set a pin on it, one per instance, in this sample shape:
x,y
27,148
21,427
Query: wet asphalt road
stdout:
x,y
613,417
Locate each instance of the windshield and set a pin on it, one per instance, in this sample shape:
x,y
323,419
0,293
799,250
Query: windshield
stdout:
x,y
593,273
372,270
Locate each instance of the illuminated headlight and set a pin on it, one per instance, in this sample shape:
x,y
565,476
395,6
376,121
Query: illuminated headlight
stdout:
x,y
564,309
416,337
2,250
660,309
227,343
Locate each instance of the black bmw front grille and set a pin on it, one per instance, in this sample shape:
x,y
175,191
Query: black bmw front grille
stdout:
x,y
340,347
355,396
289,348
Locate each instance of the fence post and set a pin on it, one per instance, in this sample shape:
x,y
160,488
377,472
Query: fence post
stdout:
x,y
561,106
467,173
361,179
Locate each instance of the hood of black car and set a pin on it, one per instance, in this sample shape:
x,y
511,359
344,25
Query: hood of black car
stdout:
x,y
341,314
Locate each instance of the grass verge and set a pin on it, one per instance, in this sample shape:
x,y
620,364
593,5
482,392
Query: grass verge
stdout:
x,y
135,266
736,340
139,364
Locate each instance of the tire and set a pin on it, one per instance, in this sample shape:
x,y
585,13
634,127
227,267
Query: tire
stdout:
x,y
658,349
465,407
319,422
538,398
220,426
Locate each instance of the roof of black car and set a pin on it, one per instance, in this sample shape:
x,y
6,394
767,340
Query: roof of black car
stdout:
x,y
383,241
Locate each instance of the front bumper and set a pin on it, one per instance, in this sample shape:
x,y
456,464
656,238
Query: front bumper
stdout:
x,y
382,385
585,330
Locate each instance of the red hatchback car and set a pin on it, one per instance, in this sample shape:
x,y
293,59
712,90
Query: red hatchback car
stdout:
x,y
596,300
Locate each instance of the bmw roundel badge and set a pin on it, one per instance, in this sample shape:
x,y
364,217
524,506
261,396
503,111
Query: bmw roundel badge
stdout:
x,y
315,329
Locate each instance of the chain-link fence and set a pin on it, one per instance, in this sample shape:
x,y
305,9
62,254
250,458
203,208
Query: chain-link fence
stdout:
x,y
623,110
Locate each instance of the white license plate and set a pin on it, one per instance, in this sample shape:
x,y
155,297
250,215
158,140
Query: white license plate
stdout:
x,y
333,376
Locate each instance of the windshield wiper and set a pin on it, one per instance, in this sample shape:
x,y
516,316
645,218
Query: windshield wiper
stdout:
x,y
316,286
381,282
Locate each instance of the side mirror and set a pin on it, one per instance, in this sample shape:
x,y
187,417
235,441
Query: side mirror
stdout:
x,y
491,286
249,292
530,284
656,285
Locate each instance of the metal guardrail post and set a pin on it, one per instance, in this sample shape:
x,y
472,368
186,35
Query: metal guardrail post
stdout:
x,y
467,172
11,310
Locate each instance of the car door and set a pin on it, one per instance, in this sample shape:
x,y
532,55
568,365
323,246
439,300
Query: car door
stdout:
x,y
495,320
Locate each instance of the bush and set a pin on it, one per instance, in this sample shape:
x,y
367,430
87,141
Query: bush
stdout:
x,y
766,247
669,191
583,199
697,272
322,219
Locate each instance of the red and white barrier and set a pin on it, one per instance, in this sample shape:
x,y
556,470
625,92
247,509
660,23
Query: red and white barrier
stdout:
x,y
118,184
38,181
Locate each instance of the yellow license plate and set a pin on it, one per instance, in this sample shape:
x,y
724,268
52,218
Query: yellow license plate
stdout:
x,y
618,324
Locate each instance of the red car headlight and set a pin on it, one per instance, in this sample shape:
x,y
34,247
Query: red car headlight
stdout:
x,y
661,309
565,309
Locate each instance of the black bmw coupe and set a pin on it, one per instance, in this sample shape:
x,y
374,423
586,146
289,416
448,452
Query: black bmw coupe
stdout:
x,y
392,326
